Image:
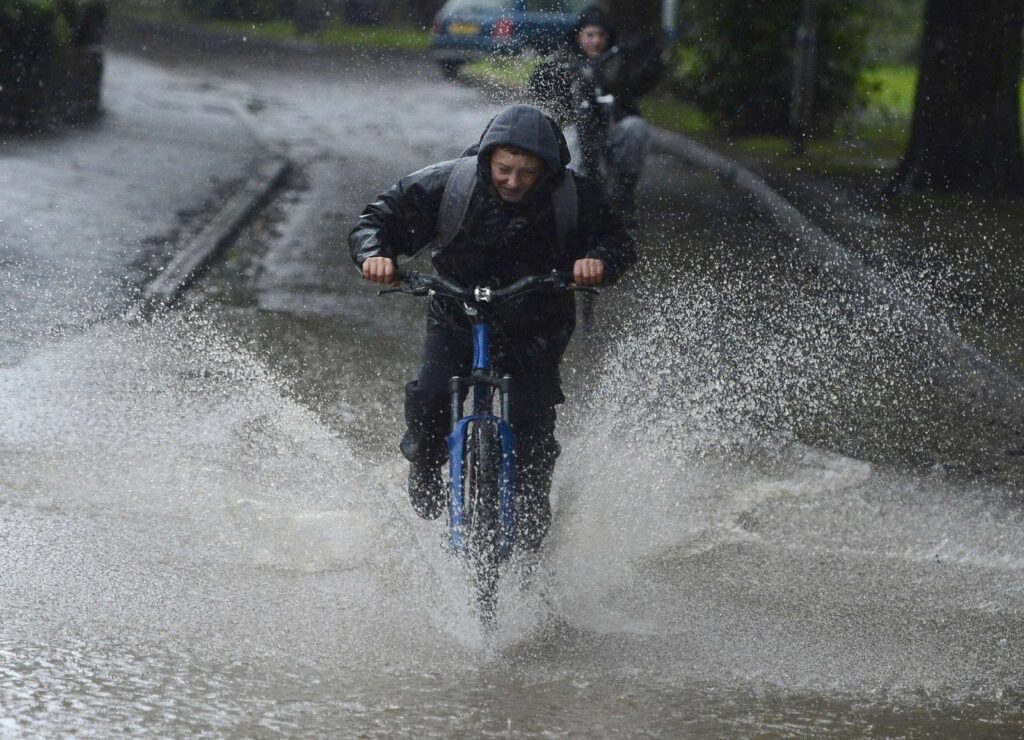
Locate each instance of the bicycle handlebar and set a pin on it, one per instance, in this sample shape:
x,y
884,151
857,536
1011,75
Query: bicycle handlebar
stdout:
x,y
424,283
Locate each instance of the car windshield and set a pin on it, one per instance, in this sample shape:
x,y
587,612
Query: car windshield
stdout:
x,y
475,5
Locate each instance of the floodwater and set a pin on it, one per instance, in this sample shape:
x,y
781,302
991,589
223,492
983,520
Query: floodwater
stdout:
x,y
187,549
204,528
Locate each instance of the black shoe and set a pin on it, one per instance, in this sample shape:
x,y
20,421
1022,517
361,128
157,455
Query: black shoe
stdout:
x,y
426,490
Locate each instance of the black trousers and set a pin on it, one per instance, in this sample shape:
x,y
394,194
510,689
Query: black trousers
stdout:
x,y
536,392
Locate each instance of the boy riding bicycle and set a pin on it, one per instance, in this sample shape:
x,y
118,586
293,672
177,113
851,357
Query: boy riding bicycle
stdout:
x,y
516,215
595,83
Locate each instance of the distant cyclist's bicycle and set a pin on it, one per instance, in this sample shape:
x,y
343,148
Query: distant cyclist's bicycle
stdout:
x,y
481,446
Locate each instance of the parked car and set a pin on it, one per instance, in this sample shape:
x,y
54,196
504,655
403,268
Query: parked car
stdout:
x,y
468,30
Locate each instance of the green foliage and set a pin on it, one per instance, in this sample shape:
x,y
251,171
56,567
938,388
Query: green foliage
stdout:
x,y
670,113
889,90
895,32
311,16
335,34
742,75
42,48
31,35
33,17
275,30
379,37
46,24
240,10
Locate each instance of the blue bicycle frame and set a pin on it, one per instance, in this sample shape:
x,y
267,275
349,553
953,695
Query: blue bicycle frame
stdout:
x,y
483,382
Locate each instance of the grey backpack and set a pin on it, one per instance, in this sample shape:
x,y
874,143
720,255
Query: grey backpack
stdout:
x,y
458,192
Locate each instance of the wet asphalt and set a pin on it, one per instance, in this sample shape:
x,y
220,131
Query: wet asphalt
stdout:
x,y
89,212
774,520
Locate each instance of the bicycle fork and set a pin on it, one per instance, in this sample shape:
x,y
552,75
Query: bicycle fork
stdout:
x,y
483,383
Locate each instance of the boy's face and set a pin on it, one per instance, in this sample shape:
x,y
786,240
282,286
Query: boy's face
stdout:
x,y
593,40
514,173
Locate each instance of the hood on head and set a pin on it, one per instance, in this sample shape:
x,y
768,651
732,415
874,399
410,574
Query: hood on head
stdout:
x,y
593,15
527,128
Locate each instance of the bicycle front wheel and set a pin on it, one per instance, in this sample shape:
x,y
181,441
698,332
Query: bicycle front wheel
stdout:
x,y
481,515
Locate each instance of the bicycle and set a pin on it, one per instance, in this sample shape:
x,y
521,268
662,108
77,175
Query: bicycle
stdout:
x,y
481,445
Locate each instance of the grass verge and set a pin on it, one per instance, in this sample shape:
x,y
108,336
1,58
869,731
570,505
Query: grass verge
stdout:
x,y
335,34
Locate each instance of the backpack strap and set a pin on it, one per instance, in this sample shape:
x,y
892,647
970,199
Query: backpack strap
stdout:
x,y
458,191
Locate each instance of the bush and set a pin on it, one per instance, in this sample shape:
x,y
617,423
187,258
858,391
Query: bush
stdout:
x,y
49,70
312,15
742,71
895,33
86,19
309,16
240,10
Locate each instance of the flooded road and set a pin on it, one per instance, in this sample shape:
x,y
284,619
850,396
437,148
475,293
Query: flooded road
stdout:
x,y
205,530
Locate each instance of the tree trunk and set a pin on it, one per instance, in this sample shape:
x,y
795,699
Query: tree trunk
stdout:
x,y
966,132
635,18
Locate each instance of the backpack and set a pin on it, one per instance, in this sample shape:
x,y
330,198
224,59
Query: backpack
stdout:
x,y
458,192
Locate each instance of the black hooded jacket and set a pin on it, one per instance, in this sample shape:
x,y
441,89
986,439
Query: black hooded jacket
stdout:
x,y
563,82
500,242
